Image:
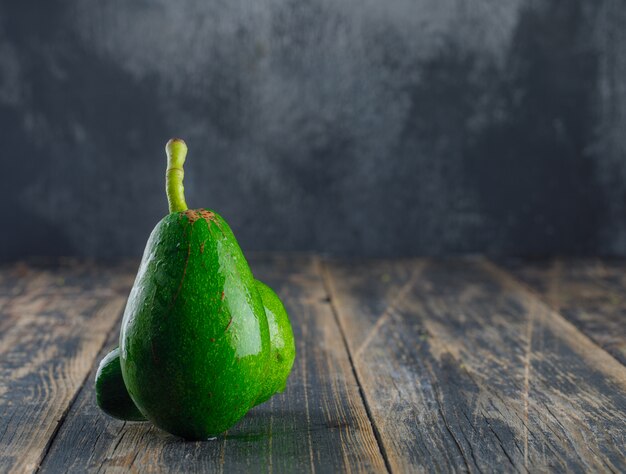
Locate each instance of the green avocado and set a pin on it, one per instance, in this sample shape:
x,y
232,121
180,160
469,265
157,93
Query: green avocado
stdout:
x,y
113,398
195,346
111,394
282,347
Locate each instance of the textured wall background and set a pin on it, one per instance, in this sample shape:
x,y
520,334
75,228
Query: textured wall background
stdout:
x,y
345,126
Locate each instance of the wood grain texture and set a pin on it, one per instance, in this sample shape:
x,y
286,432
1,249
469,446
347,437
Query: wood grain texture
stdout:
x,y
13,281
588,292
319,424
464,369
54,321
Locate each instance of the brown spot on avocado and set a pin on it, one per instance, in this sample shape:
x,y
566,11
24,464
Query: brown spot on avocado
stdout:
x,y
192,215
206,214
209,217
229,323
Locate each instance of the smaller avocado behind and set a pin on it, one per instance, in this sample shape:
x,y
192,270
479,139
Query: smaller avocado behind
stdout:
x,y
282,346
111,394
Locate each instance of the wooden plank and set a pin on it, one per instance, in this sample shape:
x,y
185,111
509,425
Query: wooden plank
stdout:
x,y
58,323
318,424
588,292
464,370
14,280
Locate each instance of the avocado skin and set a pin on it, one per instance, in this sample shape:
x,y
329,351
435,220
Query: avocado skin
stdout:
x,y
194,343
111,394
283,349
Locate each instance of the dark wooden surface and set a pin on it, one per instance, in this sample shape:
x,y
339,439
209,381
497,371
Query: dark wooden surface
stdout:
x,y
418,365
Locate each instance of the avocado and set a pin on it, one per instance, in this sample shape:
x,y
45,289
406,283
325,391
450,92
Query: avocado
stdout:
x,y
113,398
111,394
195,344
282,347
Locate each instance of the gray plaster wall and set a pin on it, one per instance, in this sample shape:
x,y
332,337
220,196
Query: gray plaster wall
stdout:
x,y
351,127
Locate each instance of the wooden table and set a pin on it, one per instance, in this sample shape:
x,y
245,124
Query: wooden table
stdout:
x,y
403,365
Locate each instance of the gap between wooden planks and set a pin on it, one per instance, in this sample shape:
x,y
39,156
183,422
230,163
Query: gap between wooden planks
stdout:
x,y
463,368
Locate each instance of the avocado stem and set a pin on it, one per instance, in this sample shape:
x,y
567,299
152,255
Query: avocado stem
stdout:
x,y
176,151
